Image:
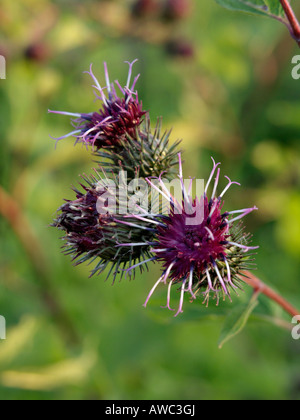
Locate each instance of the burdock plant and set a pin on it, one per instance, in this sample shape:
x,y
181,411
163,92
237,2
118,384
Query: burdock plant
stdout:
x,y
202,248
94,231
118,117
119,133
116,221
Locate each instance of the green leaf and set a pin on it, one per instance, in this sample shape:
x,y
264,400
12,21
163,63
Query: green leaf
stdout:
x,y
236,321
271,8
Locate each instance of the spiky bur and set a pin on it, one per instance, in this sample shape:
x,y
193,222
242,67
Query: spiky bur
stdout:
x,y
203,258
120,132
146,154
119,115
95,235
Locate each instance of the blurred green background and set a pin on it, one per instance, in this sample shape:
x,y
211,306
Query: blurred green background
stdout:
x,y
223,82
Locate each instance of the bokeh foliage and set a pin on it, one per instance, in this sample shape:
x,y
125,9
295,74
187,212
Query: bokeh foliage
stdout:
x,y
230,94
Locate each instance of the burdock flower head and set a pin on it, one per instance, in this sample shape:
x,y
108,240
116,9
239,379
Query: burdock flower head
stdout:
x,y
203,254
118,138
119,116
95,232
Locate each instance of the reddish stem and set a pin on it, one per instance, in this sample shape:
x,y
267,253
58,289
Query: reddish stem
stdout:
x,y
261,287
290,14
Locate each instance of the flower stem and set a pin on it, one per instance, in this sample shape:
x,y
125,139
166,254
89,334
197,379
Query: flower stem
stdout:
x,y
261,287
294,23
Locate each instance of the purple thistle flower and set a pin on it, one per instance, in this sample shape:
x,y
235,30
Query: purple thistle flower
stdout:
x,y
93,234
204,258
119,116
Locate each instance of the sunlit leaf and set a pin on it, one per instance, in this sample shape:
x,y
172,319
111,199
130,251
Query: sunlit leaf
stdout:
x,y
270,8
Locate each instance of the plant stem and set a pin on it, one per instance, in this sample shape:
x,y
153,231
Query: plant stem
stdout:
x,y
294,23
261,287
11,211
